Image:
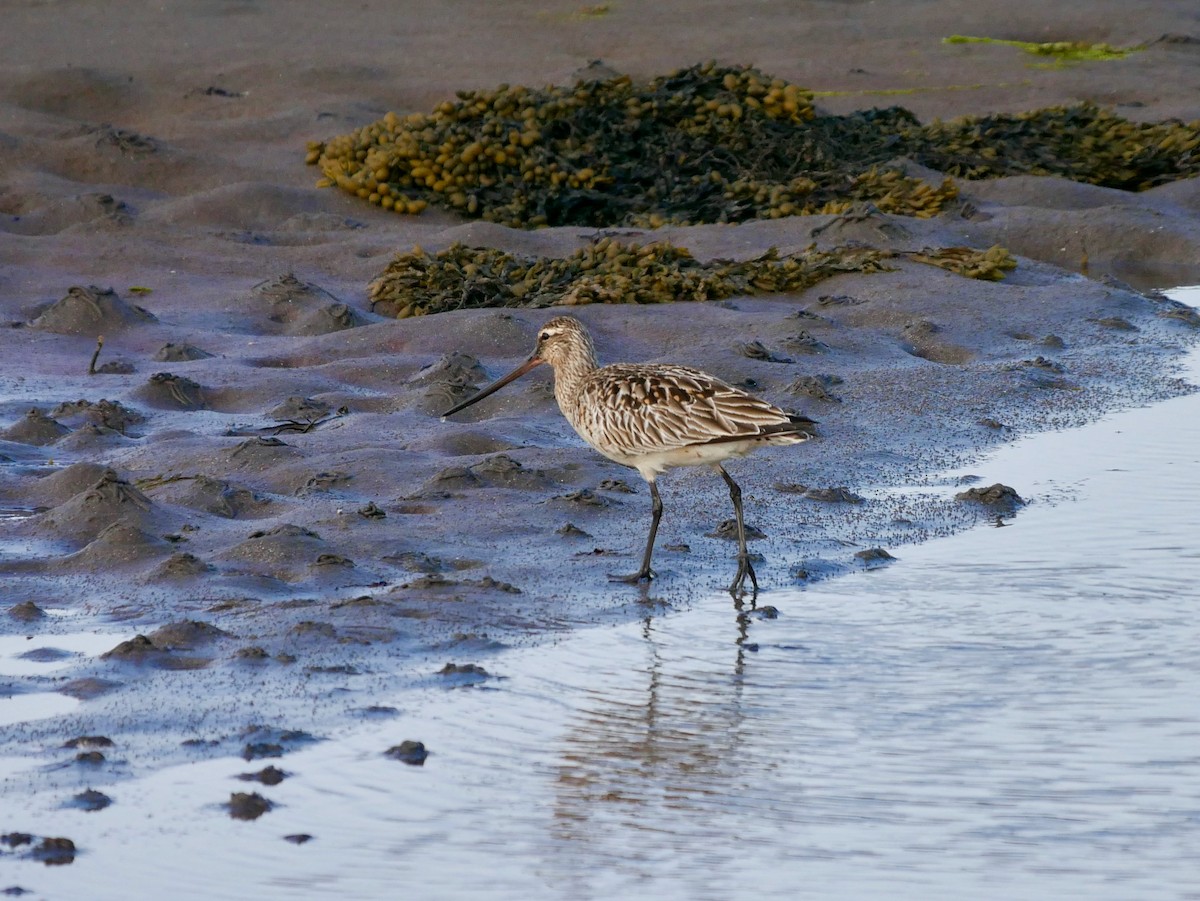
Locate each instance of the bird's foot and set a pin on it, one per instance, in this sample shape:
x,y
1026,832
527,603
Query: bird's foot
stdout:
x,y
737,587
636,579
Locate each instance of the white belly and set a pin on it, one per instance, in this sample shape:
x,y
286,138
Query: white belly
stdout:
x,y
652,464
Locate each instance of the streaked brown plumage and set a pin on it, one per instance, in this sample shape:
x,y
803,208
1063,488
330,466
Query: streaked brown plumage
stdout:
x,y
654,417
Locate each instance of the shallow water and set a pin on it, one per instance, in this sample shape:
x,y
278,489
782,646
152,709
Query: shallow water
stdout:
x,y
40,655
38,705
1009,712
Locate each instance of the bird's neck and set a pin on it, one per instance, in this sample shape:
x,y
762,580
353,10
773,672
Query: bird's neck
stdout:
x,y
569,377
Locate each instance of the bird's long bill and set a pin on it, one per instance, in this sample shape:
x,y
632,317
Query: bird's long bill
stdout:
x,y
496,385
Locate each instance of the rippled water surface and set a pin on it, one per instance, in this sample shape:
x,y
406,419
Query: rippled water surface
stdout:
x,y
1010,712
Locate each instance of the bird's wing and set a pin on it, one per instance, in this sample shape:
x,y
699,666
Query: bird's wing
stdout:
x,y
656,407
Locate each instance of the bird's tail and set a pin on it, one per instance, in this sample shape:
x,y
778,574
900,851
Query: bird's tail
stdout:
x,y
798,428
798,423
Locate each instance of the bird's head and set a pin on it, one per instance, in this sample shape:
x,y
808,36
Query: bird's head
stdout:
x,y
562,339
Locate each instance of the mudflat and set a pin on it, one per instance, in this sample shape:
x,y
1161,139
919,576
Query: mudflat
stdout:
x,y
248,483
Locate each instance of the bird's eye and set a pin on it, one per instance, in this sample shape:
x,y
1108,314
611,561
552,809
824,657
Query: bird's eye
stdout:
x,y
544,336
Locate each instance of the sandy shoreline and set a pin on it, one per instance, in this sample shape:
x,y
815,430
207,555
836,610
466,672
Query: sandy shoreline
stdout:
x,y
123,169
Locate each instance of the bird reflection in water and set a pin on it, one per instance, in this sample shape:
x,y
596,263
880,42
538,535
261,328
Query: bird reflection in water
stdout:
x,y
654,749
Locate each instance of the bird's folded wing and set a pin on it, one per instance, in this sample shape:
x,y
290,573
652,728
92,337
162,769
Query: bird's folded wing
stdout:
x,y
655,408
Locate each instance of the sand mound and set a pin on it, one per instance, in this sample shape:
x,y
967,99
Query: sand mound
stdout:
x,y
159,647
287,305
168,391
64,484
461,444
253,205
185,635
920,338
452,368
36,428
284,552
499,471
118,544
285,294
107,154
90,437
300,409
215,496
110,414
90,310
334,317
179,566
75,93
178,353
260,453
109,501
40,214
452,378
504,472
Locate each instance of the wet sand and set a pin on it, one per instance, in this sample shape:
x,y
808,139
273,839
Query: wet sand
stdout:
x,y
1002,707
256,480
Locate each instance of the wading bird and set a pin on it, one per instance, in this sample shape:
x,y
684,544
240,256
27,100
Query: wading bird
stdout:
x,y
654,417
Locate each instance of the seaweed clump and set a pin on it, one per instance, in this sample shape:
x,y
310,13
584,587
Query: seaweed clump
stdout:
x,y
418,283
987,265
714,144
1083,143
704,144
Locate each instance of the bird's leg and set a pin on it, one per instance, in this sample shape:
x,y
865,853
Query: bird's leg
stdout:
x,y
738,587
645,573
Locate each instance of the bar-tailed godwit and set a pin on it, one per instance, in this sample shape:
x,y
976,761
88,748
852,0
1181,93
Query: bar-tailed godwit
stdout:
x,y
655,417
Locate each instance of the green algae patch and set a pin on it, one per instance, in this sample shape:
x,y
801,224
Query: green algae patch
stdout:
x,y
716,144
923,89
418,283
1063,53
